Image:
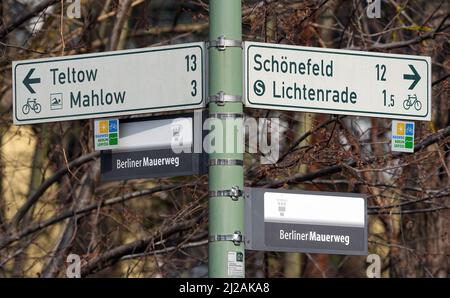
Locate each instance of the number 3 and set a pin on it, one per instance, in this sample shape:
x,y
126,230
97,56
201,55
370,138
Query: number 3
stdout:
x,y
194,87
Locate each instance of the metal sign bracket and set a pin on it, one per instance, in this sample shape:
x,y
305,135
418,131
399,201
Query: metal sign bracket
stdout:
x,y
220,98
234,193
236,238
226,162
222,43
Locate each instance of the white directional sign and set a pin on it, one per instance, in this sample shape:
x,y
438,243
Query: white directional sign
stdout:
x,y
109,84
333,81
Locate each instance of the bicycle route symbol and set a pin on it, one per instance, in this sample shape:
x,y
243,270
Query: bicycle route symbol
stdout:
x,y
31,105
412,101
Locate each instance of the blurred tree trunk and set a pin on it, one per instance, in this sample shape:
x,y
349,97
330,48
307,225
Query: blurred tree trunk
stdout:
x,y
3,109
426,235
273,264
99,240
318,265
36,179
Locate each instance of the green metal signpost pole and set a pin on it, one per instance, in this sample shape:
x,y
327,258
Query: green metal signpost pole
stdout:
x,y
226,177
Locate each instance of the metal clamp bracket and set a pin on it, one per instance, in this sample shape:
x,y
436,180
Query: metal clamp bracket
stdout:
x,y
222,43
226,115
226,162
236,238
220,98
234,193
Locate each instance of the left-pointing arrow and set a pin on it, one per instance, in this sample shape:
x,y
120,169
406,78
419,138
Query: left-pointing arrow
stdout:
x,y
28,81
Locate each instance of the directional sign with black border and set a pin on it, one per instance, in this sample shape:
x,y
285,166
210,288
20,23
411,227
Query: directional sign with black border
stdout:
x,y
109,84
334,81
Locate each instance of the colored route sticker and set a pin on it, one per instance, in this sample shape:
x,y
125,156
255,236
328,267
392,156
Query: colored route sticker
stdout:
x,y
106,134
402,139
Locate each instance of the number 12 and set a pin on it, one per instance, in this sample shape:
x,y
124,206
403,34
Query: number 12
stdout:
x,y
381,72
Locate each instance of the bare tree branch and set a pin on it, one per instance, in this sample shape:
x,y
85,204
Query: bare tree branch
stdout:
x,y
440,135
404,43
124,6
6,29
47,183
7,240
165,250
114,255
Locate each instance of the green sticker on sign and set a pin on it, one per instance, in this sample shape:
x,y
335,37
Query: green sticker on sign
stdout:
x,y
106,134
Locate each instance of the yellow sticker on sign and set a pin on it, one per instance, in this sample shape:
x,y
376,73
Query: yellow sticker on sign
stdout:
x,y
104,126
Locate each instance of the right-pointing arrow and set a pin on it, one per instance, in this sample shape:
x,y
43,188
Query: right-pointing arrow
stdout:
x,y
28,81
415,77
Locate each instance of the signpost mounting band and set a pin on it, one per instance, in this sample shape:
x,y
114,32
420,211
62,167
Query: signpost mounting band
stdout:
x,y
221,43
226,162
234,193
236,238
220,98
226,115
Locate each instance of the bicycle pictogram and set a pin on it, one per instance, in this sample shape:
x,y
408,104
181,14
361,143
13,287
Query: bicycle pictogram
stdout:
x,y
31,105
412,101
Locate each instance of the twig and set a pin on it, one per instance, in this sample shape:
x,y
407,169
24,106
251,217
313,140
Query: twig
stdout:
x,y
47,183
124,6
165,250
6,29
440,135
72,213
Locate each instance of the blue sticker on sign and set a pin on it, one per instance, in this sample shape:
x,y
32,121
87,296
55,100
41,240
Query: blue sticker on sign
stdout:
x,y
112,126
409,129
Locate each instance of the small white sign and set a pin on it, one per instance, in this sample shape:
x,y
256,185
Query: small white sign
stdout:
x,y
106,134
314,209
235,264
402,139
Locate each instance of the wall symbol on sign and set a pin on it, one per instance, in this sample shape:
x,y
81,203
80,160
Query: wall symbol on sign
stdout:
x,y
177,139
176,130
412,101
56,101
31,105
281,207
